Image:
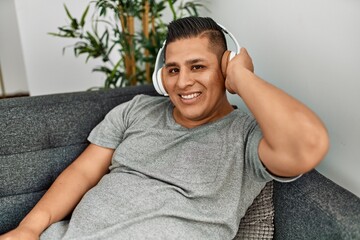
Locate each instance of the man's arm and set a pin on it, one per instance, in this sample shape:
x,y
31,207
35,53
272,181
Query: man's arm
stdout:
x,y
65,193
294,138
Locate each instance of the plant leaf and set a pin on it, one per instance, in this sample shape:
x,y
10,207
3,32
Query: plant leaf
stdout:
x,y
82,21
68,12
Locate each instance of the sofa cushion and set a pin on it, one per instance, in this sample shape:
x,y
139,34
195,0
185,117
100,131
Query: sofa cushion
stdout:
x,y
314,207
258,220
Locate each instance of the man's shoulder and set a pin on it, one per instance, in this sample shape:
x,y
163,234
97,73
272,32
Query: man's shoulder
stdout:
x,y
149,98
142,100
138,103
145,103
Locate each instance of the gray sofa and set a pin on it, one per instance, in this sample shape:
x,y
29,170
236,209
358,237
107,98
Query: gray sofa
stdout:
x,y
40,136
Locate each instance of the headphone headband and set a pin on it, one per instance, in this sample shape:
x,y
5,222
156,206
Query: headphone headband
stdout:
x,y
156,77
237,46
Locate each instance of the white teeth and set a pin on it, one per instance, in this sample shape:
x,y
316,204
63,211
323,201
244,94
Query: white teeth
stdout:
x,y
190,96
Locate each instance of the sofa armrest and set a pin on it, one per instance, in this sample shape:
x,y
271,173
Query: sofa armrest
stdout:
x,y
314,207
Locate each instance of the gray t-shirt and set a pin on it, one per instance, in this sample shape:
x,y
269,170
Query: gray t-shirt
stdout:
x,y
167,181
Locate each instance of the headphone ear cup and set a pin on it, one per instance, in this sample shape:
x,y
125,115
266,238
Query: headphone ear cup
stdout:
x,y
231,55
159,83
157,74
227,56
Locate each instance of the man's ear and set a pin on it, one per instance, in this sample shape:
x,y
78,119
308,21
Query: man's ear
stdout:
x,y
224,62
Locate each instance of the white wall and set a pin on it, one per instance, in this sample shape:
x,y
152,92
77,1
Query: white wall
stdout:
x,y
48,70
11,57
311,49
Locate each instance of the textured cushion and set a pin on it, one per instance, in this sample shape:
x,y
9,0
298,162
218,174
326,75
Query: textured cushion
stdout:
x,y
258,221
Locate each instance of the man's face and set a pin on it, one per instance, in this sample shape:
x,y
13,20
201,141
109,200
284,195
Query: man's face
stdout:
x,y
192,77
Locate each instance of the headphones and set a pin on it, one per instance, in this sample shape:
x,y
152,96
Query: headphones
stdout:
x,y
156,77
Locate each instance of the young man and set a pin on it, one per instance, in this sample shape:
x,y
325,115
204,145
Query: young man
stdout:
x,y
187,166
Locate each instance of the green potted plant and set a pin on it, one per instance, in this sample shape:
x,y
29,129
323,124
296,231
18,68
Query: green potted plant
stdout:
x,y
125,34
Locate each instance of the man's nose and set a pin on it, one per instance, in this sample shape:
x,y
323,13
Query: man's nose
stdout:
x,y
185,79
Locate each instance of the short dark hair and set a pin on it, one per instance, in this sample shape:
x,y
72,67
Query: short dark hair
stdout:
x,y
189,27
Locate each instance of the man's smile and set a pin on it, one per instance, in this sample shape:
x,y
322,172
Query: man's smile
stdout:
x,y
190,95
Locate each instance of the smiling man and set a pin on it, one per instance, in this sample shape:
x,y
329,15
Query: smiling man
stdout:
x,y
194,81
187,166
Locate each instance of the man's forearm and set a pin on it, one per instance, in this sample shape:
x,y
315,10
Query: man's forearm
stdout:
x,y
68,189
58,201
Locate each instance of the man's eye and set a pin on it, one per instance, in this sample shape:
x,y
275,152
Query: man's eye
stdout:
x,y
173,70
197,67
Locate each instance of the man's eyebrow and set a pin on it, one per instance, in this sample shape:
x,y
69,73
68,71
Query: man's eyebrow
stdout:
x,y
188,62
194,61
170,64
